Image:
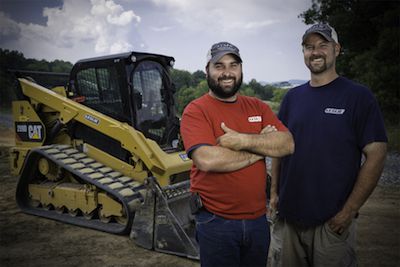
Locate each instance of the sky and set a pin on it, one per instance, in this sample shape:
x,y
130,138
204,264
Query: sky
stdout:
x,y
267,32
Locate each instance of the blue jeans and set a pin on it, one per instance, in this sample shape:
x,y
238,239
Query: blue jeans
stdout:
x,y
232,243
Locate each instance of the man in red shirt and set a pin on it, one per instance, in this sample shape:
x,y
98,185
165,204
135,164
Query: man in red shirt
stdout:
x,y
227,136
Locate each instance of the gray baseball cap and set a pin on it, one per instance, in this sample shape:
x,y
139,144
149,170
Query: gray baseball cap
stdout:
x,y
325,30
220,49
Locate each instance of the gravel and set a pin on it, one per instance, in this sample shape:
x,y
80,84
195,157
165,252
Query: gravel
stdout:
x,y
391,172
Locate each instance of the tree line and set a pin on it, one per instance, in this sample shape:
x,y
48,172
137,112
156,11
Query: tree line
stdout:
x,y
190,86
14,60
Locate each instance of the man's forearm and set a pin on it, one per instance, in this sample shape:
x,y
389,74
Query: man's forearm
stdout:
x,y
221,159
367,179
368,176
275,170
269,142
274,197
273,144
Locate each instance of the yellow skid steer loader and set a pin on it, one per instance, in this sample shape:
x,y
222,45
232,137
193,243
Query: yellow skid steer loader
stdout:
x,y
103,151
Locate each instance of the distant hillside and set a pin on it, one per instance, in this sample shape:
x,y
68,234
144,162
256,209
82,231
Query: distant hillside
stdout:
x,y
286,84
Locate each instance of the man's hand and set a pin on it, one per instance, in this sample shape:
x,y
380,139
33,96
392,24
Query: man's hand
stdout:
x,y
231,139
268,129
341,221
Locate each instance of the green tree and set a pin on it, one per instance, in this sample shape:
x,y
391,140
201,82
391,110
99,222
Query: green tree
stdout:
x,y
181,78
60,66
257,88
247,90
14,60
187,94
262,91
197,77
9,60
279,94
369,32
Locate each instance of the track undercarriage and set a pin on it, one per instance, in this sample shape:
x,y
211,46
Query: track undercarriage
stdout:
x,y
64,184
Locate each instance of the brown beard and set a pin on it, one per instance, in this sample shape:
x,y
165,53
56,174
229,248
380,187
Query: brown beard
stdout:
x,y
219,91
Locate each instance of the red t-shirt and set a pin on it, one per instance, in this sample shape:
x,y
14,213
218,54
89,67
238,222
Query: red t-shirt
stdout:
x,y
239,194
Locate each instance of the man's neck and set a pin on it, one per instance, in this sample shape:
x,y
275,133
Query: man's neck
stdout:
x,y
322,79
229,99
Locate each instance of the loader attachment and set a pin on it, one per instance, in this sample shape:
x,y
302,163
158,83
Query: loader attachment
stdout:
x,y
164,223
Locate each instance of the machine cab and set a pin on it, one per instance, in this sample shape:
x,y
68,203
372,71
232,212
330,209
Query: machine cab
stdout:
x,y
132,87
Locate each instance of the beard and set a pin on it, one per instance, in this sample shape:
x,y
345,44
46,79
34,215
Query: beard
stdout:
x,y
319,68
219,91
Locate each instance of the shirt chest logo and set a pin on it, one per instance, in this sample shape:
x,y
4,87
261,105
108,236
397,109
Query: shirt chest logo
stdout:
x,y
255,119
335,111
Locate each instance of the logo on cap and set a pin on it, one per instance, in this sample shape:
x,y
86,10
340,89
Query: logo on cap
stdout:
x,y
220,49
325,30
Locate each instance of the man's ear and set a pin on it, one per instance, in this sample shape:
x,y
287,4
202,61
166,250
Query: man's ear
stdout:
x,y
337,49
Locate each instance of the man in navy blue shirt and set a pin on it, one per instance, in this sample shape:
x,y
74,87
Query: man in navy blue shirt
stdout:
x,y
340,148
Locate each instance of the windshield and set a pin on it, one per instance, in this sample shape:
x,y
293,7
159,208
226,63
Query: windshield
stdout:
x,y
149,91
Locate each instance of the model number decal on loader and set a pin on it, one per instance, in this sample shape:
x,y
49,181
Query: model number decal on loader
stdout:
x,y
92,119
30,131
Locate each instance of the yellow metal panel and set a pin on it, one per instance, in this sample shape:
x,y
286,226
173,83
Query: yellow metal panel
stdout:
x,y
70,196
110,207
17,158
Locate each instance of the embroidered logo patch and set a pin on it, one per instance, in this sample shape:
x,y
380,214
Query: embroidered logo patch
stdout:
x,y
255,119
335,111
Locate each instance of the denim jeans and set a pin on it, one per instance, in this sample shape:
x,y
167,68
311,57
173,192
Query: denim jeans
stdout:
x,y
225,242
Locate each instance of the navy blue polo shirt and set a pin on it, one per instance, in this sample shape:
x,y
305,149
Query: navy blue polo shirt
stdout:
x,y
330,124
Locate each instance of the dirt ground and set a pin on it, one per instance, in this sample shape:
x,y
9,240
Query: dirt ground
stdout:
x,y
27,240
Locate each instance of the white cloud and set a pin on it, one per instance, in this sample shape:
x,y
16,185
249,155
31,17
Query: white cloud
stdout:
x,y
114,13
8,28
102,24
120,46
161,29
229,16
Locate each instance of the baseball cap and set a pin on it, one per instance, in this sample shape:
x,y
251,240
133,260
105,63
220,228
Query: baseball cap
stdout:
x,y
220,49
325,30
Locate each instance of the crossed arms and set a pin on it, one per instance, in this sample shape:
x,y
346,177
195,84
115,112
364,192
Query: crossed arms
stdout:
x,y
238,150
